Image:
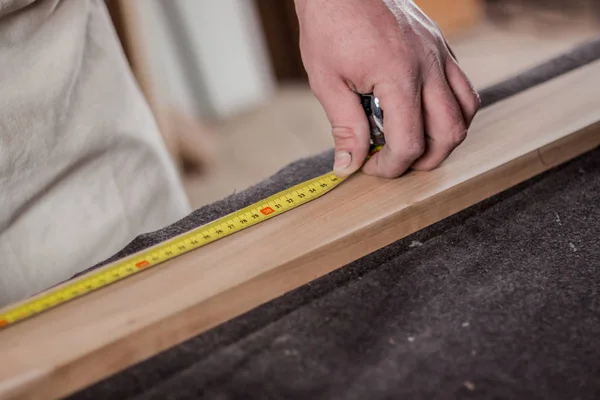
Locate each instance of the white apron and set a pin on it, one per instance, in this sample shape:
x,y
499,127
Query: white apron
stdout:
x,y
83,169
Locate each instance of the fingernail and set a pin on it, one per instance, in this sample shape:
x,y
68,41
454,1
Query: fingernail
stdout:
x,y
343,159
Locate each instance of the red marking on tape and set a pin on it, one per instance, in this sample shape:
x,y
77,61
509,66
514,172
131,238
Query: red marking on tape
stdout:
x,y
267,211
142,264
3,323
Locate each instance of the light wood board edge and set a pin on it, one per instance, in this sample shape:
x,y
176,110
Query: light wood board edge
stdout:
x,y
164,333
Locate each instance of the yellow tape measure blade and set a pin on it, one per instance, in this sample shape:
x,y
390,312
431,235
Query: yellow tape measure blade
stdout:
x,y
251,215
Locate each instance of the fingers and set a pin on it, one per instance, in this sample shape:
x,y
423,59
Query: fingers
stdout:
x,y
427,112
349,126
449,105
403,127
444,123
464,91
423,127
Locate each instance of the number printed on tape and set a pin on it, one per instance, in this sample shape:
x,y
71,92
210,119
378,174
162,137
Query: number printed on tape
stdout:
x,y
121,269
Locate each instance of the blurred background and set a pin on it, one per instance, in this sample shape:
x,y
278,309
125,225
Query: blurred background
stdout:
x,y
225,80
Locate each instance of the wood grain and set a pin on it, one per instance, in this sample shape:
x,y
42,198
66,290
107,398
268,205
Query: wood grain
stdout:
x,y
76,344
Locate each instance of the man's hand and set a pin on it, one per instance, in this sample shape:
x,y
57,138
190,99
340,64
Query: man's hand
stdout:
x,y
389,48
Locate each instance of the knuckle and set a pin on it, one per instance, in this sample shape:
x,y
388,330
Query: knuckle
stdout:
x,y
362,75
392,174
414,149
459,136
393,171
458,133
431,65
400,67
476,102
427,164
455,122
316,85
343,133
411,69
428,167
473,100
319,81
403,87
346,138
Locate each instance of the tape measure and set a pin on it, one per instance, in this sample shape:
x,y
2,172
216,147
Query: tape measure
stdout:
x,y
242,219
223,227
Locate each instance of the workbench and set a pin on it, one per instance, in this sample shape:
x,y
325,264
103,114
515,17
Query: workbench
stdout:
x,y
499,300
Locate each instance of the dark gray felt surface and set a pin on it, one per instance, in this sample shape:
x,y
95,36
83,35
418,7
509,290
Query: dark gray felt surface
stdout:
x,y
499,301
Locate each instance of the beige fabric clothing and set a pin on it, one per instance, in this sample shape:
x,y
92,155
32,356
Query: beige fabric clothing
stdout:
x,y
83,169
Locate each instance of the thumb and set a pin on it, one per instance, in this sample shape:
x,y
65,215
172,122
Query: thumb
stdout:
x,y
349,126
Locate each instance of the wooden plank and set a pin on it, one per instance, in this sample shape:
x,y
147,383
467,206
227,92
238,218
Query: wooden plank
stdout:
x,y
76,344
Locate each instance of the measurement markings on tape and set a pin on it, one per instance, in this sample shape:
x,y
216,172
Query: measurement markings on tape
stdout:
x,y
158,254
